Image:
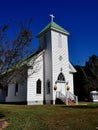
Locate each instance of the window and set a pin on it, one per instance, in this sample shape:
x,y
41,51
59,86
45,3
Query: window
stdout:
x,y
6,91
59,40
16,89
61,78
38,86
48,87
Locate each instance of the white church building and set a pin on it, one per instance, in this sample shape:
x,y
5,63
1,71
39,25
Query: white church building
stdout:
x,y
49,75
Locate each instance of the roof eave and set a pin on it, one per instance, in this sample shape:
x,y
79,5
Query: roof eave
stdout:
x,y
52,28
63,32
72,69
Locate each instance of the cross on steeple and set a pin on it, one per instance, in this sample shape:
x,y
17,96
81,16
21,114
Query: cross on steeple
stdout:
x,y
52,17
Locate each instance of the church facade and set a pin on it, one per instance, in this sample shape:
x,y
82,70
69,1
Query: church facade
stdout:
x,y
49,74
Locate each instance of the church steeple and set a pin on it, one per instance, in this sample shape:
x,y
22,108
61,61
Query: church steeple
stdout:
x,y
52,25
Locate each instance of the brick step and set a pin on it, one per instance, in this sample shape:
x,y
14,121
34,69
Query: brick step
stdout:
x,y
71,102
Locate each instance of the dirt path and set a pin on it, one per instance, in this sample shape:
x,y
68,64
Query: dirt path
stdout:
x,y
3,124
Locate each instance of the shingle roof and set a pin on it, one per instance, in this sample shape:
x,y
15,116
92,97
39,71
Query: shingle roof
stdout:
x,y
53,25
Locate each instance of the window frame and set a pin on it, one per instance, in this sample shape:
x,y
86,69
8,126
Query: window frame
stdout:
x,y
6,90
61,78
16,89
38,86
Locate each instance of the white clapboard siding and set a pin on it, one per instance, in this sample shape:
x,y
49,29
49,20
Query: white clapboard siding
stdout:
x,y
35,73
21,96
48,67
57,51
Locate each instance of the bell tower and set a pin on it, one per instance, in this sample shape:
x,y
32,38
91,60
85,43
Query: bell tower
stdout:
x,y
54,39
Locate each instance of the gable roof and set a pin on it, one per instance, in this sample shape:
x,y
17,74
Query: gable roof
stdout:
x,y
54,26
24,61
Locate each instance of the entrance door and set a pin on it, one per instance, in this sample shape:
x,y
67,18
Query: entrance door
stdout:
x,y
61,88
61,84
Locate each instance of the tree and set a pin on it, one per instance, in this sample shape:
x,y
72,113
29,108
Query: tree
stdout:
x,y
86,78
80,81
12,50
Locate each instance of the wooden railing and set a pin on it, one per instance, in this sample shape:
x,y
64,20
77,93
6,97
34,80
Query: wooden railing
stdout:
x,y
73,97
65,99
61,96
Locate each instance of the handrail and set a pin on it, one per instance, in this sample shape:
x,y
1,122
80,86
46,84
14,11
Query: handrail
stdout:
x,y
64,98
61,96
73,97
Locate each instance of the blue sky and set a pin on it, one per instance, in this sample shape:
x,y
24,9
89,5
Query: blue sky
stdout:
x,y
79,17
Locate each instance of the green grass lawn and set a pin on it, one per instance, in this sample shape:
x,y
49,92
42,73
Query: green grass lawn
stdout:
x,y
50,117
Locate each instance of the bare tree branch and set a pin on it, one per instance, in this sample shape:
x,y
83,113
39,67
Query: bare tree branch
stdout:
x,y
11,51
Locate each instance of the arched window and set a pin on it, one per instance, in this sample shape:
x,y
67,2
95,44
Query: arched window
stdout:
x,y
38,86
16,89
61,78
48,87
6,90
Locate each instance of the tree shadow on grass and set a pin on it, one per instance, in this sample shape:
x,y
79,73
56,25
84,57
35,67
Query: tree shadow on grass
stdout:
x,y
1,115
80,106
